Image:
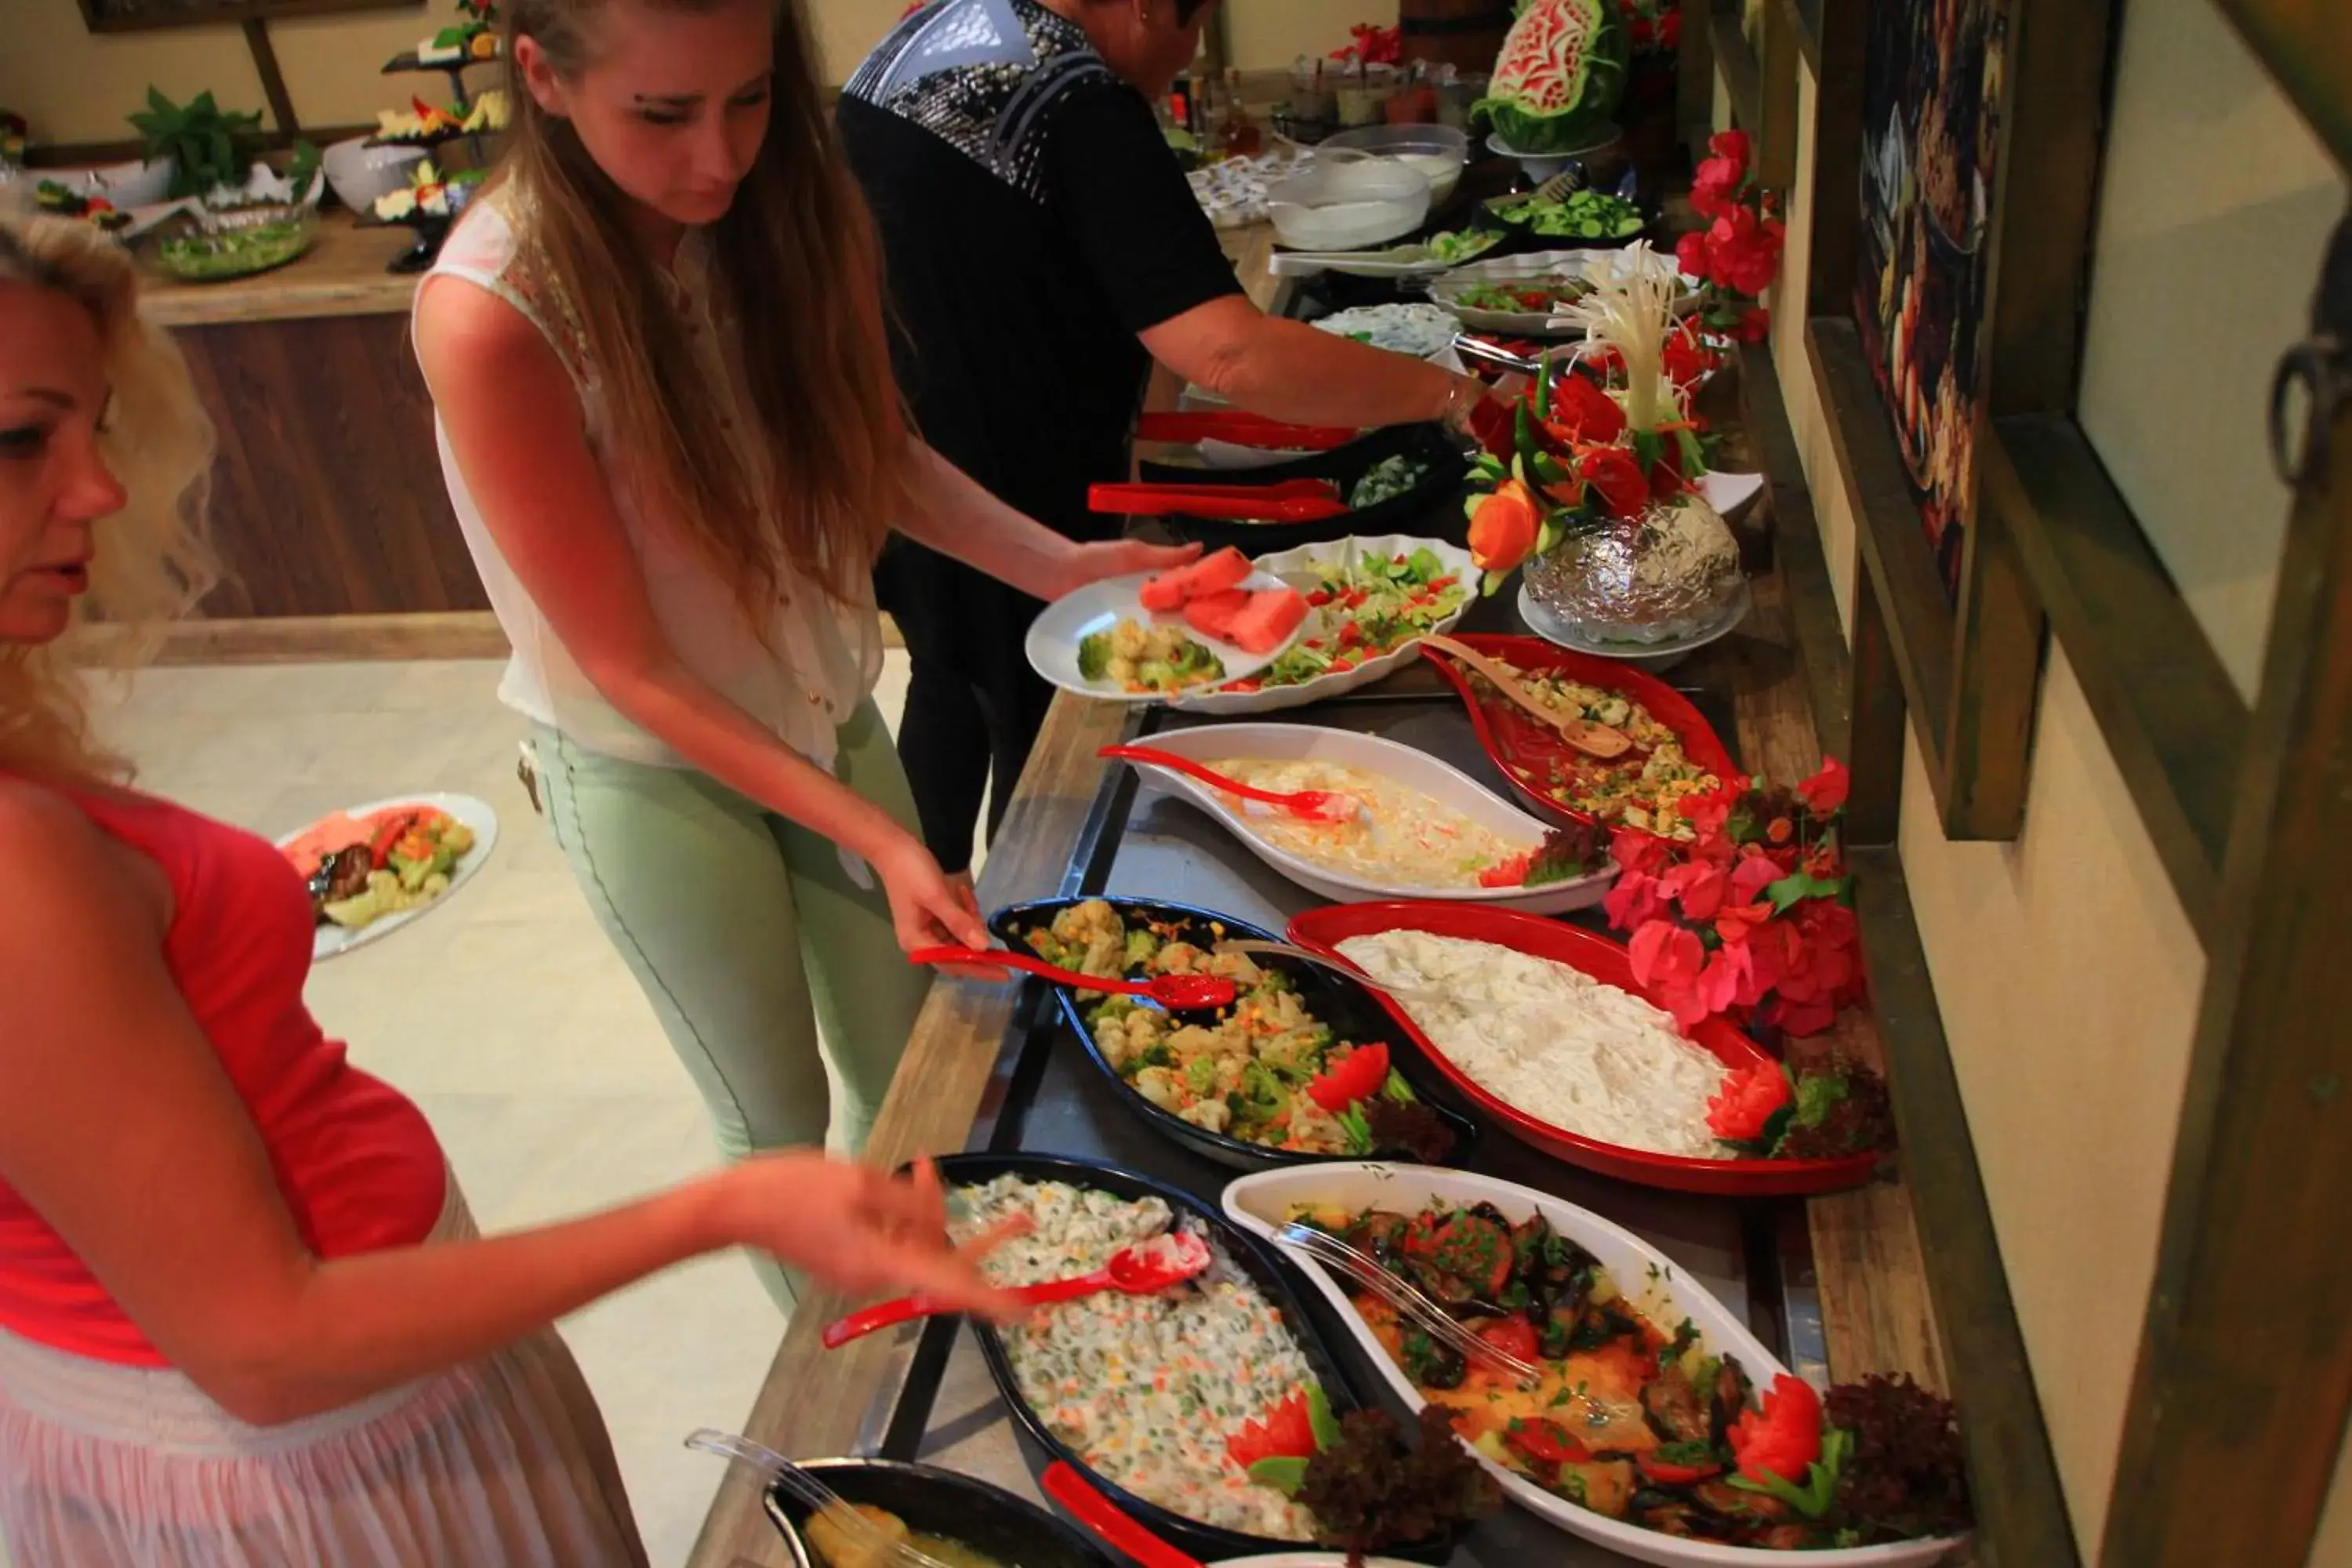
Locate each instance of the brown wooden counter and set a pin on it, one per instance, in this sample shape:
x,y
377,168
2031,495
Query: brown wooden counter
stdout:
x,y
1871,1285
328,500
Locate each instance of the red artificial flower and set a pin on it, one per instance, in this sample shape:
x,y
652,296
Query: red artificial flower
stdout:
x,y
1635,901
1730,974
1617,476
1686,357
1669,29
1748,1099
1744,251
1732,144
1666,957
1735,923
1714,187
1690,254
1581,414
1800,1020
1638,851
1697,886
1642,32
1754,325
1783,1438
1753,874
1825,791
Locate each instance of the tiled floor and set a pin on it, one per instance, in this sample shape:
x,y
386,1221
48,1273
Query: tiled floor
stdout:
x,y
505,1014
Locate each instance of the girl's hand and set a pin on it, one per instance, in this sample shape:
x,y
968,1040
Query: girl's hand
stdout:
x,y
860,1230
1087,564
928,907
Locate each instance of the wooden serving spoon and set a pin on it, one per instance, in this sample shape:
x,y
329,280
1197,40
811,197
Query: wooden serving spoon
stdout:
x,y
1593,740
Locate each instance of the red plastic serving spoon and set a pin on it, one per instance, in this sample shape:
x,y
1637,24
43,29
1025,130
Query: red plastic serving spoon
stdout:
x,y
1292,500
1099,1514
1176,993
1314,804
1139,1270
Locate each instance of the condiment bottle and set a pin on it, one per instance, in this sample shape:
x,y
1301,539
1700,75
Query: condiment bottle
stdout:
x,y
1237,133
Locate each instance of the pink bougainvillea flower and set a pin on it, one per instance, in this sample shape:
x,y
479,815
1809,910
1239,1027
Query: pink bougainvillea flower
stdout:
x,y
1665,956
1825,791
1636,900
1698,886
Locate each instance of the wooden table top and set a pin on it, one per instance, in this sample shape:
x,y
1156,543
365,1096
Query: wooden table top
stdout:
x,y
342,274
1872,1279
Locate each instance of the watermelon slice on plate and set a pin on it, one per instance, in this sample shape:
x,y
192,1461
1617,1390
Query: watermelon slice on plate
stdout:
x,y
1559,77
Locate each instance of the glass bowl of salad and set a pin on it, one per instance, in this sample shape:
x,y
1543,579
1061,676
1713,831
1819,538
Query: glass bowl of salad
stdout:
x,y
236,242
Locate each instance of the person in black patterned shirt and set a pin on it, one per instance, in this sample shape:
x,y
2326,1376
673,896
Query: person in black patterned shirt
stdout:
x,y
1042,249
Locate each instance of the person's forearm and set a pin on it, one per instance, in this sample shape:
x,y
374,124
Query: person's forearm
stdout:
x,y
955,515
662,697
360,1325
1288,370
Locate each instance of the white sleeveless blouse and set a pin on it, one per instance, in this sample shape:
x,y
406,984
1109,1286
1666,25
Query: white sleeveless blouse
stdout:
x,y
819,660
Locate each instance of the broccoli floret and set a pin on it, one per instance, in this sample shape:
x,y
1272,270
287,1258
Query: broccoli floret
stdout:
x,y
1094,656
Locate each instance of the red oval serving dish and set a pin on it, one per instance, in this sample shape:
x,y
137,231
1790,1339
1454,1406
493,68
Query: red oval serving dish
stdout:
x,y
1322,931
1529,752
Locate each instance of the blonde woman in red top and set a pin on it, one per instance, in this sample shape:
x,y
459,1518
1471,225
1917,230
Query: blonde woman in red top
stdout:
x,y
244,1316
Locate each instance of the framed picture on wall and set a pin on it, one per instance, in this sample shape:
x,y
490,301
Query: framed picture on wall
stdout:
x,y
1931,126
142,16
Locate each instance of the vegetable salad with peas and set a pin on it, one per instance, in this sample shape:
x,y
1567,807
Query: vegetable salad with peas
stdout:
x,y
1146,1389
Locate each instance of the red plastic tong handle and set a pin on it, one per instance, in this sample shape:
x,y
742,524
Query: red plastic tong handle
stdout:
x,y
1295,500
1176,993
1242,430
1321,805
1099,1514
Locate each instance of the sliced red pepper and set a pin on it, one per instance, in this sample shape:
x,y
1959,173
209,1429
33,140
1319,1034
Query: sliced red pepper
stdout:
x,y
390,829
1286,1433
1360,1076
1545,1442
1668,1474
1510,873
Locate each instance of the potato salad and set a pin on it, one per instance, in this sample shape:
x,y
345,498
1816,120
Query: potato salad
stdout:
x,y
1145,1389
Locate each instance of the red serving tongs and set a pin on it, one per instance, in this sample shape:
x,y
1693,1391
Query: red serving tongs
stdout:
x,y
1176,993
1293,501
1240,429
1313,804
1139,1270
1099,1514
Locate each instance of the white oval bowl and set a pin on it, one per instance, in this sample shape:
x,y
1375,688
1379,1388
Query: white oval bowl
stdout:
x,y
1413,769
1301,568
1262,1203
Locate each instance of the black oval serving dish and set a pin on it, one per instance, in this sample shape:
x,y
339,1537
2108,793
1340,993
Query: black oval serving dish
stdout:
x,y
1236,1247
942,1503
1427,510
1338,1001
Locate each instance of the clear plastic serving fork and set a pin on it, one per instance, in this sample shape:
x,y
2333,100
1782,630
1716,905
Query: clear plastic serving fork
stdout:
x,y
1410,1303
875,1544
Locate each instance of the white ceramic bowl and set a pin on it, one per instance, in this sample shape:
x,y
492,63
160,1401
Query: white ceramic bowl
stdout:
x,y
1302,569
127,185
1262,1202
1348,205
359,174
1413,769
1439,152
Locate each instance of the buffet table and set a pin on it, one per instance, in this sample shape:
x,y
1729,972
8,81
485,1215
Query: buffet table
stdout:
x,y
1834,1285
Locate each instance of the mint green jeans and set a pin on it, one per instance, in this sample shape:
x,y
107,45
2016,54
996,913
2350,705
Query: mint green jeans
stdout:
x,y
764,960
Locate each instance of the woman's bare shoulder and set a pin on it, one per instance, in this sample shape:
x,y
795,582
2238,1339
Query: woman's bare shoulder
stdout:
x,y
59,861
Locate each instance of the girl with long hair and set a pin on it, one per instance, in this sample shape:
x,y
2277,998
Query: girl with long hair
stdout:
x,y
669,427
245,1318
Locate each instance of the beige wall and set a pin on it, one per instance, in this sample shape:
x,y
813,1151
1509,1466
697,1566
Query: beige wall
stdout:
x,y
2066,971
76,88
2216,204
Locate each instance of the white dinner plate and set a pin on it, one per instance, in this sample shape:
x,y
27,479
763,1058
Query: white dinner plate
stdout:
x,y
1054,636
1302,568
331,941
1403,764
1262,1202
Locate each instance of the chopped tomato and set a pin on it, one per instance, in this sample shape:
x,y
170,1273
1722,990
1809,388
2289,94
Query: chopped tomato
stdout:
x,y
1354,597
1359,1077
1545,1442
1512,1336
1244,686
1508,873
1668,1474
1439,584
1341,663
1320,597
1286,1433
1351,635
